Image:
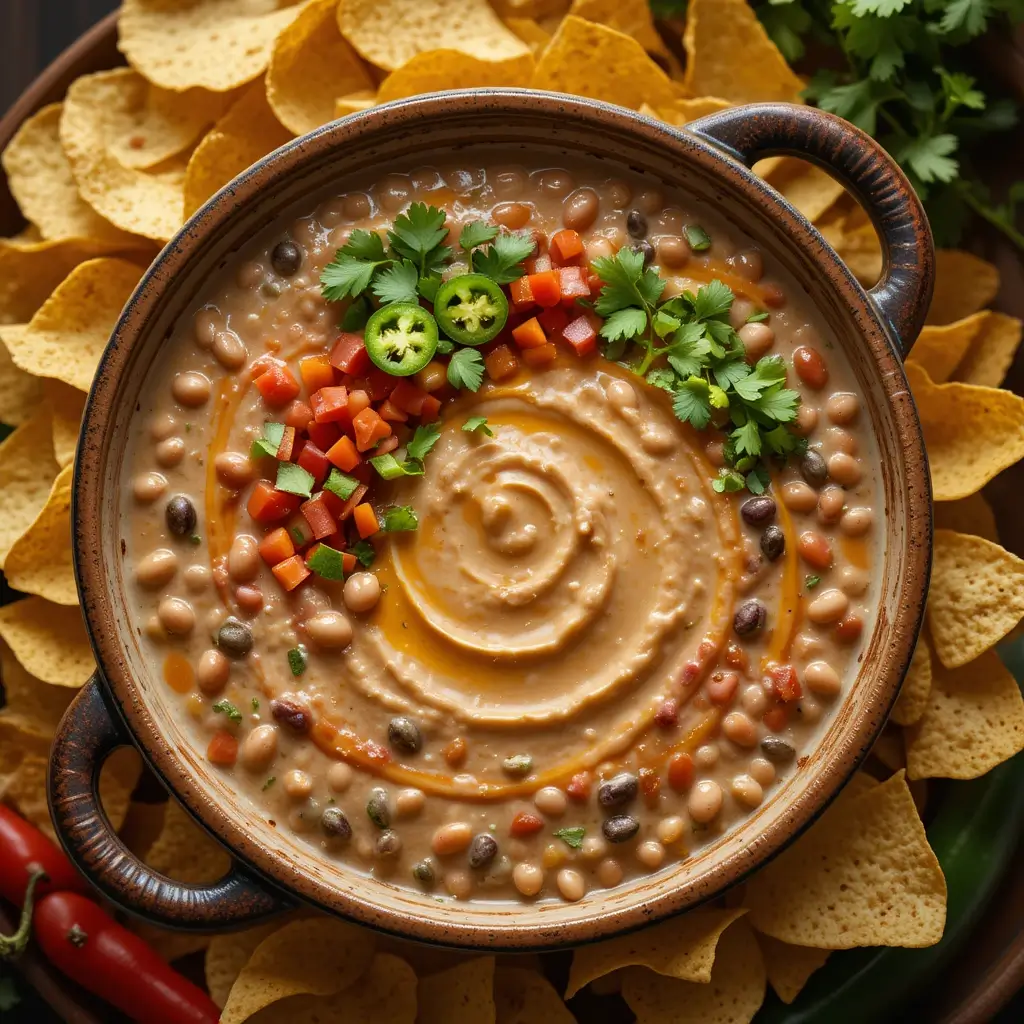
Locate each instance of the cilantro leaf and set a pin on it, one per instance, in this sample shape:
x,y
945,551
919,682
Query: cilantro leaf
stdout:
x,y
713,300
400,519
293,479
427,286
624,323
778,403
573,836
389,468
501,260
365,553
364,245
425,437
664,379
466,369
747,438
692,402
417,235
398,283
728,481
770,370
225,707
883,8
757,480
477,423
356,315
345,275
729,372
664,324
928,156
477,232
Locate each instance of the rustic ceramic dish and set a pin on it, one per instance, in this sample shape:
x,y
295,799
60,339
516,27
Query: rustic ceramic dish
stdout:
x,y
273,869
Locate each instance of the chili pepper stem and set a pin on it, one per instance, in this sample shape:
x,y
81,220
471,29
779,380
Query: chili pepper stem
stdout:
x,y
12,946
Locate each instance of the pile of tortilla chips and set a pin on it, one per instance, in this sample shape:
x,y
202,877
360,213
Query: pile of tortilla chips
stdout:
x,y
213,85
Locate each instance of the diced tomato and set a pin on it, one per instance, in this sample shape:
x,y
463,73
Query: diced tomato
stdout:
x,y
349,562
776,718
573,284
314,461
554,320
262,363
408,397
521,293
223,749
286,449
430,410
316,373
546,288
594,282
277,546
323,435
358,400
566,244
785,684
353,502
366,520
581,335
543,355
525,824
579,787
369,429
343,454
268,505
680,772
316,513
299,530
501,363
529,334
538,264
349,354
650,785
298,415
380,384
388,411
291,572
330,405
389,444
277,385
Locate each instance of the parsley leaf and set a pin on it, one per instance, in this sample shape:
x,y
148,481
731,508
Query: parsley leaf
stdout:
x,y
477,423
572,837
500,260
397,284
714,299
345,276
692,402
417,235
225,707
364,245
475,233
425,437
466,369
624,323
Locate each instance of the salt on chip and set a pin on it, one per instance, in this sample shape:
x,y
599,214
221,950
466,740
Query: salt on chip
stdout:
x,y
66,337
913,698
733,995
461,993
862,875
971,433
228,954
974,721
963,285
181,44
20,392
976,596
586,59
939,349
448,69
49,640
245,134
67,405
526,997
682,947
972,514
789,967
991,353
354,103
631,17
389,33
27,471
310,66
40,560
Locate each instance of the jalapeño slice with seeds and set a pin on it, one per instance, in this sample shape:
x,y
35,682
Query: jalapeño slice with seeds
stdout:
x,y
401,338
471,309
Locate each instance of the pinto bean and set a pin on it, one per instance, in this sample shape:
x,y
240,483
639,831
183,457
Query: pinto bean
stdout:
x,y
810,367
580,208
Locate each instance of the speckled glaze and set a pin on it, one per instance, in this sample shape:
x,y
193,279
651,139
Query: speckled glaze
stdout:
x,y
710,159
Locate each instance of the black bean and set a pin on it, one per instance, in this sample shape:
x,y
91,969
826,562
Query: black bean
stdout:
x,y
645,249
636,224
482,850
423,872
617,791
750,618
334,823
181,516
292,715
813,468
286,258
773,542
389,844
377,808
404,734
234,638
620,828
776,750
758,511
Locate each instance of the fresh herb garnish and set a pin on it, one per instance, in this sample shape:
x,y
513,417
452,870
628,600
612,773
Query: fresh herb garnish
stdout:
x,y
418,235
225,707
423,439
389,468
398,283
501,260
294,480
466,369
810,582
269,783
269,443
400,519
327,562
195,539
255,702
697,237
477,232
365,553
758,317
477,423
572,836
341,484
297,660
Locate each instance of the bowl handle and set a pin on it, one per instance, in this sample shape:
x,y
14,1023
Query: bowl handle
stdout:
x,y
904,291
89,732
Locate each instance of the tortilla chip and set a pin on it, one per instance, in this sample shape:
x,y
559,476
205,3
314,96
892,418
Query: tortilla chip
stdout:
x,y
789,967
591,60
66,338
938,350
449,69
733,995
389,33
976,596
462,993
310,65
354,103
49,640
245,134
40,179
531,33
683,111
991,353
963,285
20,392
318,956
527,997
974,721
913,698
40,561
185,852
228,954
809,188
29,702
972,514
27,471
181,44
67,405
888,748
862,875
142,826
971,433
683,947
546,9
630,17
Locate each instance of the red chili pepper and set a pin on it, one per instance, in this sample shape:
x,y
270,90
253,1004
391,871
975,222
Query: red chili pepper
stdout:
x,y
24,850
90,947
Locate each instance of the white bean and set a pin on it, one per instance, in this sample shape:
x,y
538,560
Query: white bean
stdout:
x,y
829,606
176,615
329,629
244,558
157,568
259,748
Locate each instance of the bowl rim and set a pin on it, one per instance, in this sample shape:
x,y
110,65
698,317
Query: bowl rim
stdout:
x,y
98,426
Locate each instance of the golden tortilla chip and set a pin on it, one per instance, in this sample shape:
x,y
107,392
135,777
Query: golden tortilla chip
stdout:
x,y
938,350
974,721
67,405
586,59
810,189
245,134
462,993
546,9
181,44
976,596
142,826
527,997
972,514
389,33
20,392
318,956
683,111
531,33
971,433
228,954
991,353
963,285
682,947
449,69
40,561
29,702
40,179
733,995
888,748
789,967
310,65
49,640
913,698
27,471
67,336
185,852
630,17
354,103
862,875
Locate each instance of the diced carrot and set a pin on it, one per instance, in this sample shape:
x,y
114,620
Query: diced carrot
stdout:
x,y
529,334
349,562
544,355
316,373
388,411
268,505
343,454
521,293
277,546
389,444
369,429
581,335
546,288
579,787
223,749
572,282
537,264
554,320
358,400
298,415
262,363
430,410
525,824
330,405
286,449
291,572
277,385
299,530
502,363
408,397
785,684
366,520
316,513
349,354
566,244
314,461
353,502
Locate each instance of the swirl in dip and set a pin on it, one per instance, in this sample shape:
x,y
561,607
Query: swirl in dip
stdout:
x,y
580,647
